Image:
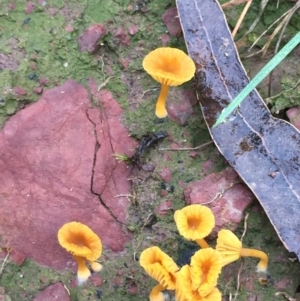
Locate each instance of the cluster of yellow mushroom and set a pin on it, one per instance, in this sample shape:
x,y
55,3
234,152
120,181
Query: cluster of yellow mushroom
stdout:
x,y
196,281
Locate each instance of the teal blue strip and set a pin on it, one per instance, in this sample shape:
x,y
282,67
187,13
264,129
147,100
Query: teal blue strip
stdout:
x,y
258,78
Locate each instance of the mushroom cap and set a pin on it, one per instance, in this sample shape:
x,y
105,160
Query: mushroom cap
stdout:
x,y
80,240
229,246
184,290
194,221
206,265
159,266
169,66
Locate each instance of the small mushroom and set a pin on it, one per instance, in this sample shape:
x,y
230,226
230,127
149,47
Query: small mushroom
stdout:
x,y
185,290
231,249
194,222
206,266
84,245
160,267
170,67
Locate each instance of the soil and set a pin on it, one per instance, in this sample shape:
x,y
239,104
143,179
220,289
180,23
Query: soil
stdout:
x,y
39,50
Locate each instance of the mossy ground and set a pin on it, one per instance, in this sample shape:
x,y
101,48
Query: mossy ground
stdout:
x,y
37,46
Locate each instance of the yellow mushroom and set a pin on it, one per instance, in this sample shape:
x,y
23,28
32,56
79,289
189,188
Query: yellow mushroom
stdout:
x,y
206,265
160,267
194,222
170,67
84,245
231,249
185,291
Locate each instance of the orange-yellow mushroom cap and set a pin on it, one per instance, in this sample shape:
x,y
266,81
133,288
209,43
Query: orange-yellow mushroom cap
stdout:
x,y
170,67
194,222
231,249
80,240
206,265
229,246
159,266
184,288
83,244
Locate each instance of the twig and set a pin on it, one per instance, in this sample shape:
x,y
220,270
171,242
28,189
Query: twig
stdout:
x,y
233,3
255,42
289,16
238,280
241,18
242,263
221,193
186,148
104,83
288,297
135,249
3,263
269,99
245,226
67,289
263,4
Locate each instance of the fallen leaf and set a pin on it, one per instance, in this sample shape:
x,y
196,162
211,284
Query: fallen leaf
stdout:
x,y
265,151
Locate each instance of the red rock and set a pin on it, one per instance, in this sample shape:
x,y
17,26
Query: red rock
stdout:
x,y
29,7
117,281
133,30
44,81
282,283
171,20
18,257
163,193
174,145
179,108
189,95
111,177
38,90
96,279
165,39
164,207
166,174
294,116
46,168
133,289
148,167
69,28
193,154
208,166
121,35
229,208
32,66
43,279
109,70
11,6
124,62
19,91
167,157
53,292
88,40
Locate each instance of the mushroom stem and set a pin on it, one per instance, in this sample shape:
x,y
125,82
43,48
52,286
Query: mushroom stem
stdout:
x,y
156,294
263,263
161,111
83,273
202,243
96,266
